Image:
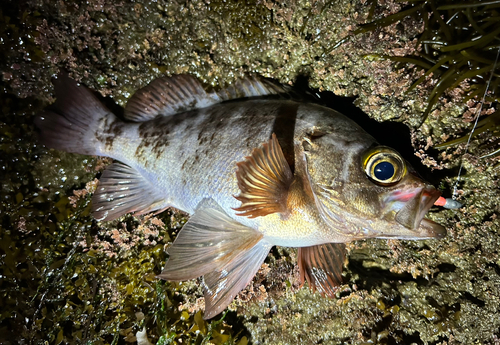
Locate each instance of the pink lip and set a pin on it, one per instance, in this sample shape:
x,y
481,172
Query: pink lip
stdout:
x,y
416,206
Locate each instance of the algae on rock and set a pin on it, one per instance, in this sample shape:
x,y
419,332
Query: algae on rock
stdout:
x,y
66,278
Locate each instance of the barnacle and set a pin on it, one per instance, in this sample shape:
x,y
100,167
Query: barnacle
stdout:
x,y
460,42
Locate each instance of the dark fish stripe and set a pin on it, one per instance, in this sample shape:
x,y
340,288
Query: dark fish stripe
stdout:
x,y
284,128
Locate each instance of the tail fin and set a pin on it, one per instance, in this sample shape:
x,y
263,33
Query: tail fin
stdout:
x,y
72,122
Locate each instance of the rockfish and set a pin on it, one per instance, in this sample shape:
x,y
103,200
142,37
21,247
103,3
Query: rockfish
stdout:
x,y
252,170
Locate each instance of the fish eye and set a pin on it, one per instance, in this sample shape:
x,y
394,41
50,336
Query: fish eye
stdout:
x,y
384,166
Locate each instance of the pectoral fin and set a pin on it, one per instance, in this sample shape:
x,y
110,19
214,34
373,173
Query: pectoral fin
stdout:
x,y
221,286
264,179
321,266
225,252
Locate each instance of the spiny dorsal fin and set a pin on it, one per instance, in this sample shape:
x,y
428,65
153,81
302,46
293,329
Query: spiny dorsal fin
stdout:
x,y
250,87
321,266
264,179
171,95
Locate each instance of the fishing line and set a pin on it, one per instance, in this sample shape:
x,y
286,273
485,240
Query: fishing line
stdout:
x,y
478,113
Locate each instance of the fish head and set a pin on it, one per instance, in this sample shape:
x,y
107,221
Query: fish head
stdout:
x,y
366,190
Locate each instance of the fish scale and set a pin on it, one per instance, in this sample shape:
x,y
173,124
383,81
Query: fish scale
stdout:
x,y
253,170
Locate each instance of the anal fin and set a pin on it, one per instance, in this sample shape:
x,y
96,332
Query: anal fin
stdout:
x,y
123,190
321,266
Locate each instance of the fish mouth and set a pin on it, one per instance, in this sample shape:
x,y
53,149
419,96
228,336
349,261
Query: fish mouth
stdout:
x,y
412,214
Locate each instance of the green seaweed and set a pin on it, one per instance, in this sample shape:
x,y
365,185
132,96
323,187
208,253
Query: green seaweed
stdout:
x,y
459,43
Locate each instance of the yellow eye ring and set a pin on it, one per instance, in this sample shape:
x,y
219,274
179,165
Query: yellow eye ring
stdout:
x,y
384,165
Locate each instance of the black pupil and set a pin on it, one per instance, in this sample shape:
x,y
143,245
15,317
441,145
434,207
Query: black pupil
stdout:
x,y
384,171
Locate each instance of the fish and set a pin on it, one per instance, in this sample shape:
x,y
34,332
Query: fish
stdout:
x,y
253,167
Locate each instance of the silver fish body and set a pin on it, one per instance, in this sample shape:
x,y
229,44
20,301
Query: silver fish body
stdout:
x,y
192,156
253,173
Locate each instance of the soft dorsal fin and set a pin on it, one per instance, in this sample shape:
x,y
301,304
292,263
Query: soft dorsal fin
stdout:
x,y
167,96
171,95
321,266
